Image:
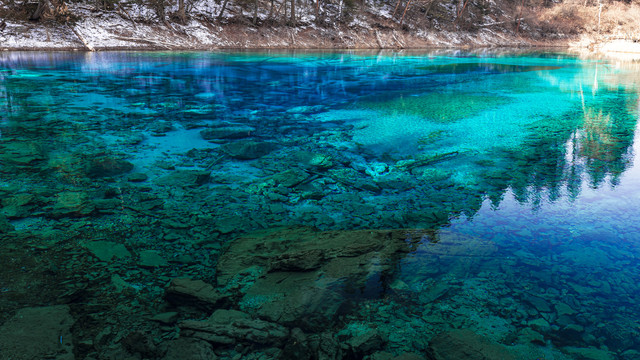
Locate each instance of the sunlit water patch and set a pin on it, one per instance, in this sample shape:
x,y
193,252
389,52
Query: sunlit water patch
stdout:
x,y
328,205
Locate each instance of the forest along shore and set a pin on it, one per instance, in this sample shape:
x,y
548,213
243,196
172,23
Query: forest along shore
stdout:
x,y
111,31
313,24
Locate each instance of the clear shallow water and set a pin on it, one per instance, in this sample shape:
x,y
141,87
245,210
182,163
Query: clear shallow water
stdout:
x,y
519,171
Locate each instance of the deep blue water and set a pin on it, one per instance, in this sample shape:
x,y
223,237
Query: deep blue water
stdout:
x,y
519,168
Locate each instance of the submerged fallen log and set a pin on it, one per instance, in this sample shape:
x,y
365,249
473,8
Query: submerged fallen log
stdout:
x,y
427,160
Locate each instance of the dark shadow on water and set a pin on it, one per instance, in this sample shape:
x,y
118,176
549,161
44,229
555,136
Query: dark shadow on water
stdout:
x,y
488,68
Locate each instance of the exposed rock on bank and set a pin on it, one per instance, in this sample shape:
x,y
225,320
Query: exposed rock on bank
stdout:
x,y
109,30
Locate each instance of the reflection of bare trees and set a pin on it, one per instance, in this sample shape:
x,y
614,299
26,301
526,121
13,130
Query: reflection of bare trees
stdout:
x,y
605,143
591,144
588,145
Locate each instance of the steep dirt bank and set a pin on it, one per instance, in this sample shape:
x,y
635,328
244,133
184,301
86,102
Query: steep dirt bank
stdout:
x,y
111,31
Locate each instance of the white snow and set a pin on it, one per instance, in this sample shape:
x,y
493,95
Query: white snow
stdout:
x,y
136,26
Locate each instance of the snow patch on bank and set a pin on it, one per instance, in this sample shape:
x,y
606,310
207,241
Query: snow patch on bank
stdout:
x,y
138,28
18,36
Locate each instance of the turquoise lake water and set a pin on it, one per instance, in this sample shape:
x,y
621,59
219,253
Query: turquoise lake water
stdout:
x,y
379,204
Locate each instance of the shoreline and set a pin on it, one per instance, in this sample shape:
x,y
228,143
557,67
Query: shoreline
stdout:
x,y
291,49
113,33
110,32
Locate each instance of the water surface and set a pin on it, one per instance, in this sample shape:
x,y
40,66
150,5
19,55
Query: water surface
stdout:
x,y
512,178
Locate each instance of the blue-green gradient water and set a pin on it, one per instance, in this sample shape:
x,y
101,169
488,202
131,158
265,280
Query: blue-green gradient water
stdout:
x,y
517,171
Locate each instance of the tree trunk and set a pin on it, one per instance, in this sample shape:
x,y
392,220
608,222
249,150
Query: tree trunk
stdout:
x,y
182,13
255,12
405,12
426,13
293,12
224,5
270,10
43,6
396,9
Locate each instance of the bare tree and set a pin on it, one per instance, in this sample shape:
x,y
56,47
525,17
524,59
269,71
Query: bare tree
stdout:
x,y
43,7
182,12
224,6
255,12
293,12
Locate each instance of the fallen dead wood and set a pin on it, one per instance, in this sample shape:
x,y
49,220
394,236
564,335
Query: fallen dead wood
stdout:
x,y
148,41
86,44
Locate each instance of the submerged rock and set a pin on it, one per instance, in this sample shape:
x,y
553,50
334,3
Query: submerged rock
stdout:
x,y
230,327
189,349
297,346
167,318
365,342
465,344
325,345
571,334
589,353
288,178
395,181
528,335
314,160
191,292
248,150
5,225
141,344
18,206
353,179
107,250
295,275
540,304
185,178
38,333
21,153
108,166
227,132
383,355
564,309
151,259
305,109
71,204
137,177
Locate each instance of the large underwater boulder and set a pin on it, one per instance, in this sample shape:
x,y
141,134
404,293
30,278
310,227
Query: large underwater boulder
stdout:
x,y
71,204
107,166
5,225
304,276
21,153
185,178
465,344
38,333
185,348
248,150
197,293
231,326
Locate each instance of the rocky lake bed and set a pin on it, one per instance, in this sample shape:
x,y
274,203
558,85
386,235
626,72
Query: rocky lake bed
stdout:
x,y
158,213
